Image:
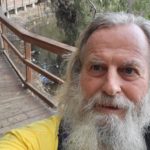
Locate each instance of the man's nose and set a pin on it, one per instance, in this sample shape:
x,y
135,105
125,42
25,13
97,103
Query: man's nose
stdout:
x,y
111,84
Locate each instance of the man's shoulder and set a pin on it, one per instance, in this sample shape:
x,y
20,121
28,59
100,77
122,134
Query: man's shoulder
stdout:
x,y
39,134
48,124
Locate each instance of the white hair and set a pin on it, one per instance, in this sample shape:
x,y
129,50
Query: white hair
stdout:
x,y
85,132
104,20
90,130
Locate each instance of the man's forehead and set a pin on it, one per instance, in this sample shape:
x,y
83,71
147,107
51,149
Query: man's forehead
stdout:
x,y
119,36
120,60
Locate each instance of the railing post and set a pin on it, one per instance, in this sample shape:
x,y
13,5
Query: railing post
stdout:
x,y
5,45
7,10
15,7
33,5
28,57
1,39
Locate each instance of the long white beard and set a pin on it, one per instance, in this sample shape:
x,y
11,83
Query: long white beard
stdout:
x,y
95,131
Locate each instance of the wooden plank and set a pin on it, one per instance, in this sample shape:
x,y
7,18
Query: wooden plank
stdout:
x,y
18,106
23,116
28,57
10,96
11,99
23,123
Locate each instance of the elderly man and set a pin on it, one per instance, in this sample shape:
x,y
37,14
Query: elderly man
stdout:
x,y
105,99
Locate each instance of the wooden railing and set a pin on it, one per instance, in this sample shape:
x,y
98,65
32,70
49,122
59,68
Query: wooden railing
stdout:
x,y
31,39
8,5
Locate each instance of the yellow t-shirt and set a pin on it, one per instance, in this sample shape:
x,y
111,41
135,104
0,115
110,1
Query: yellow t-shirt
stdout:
x,y
42,135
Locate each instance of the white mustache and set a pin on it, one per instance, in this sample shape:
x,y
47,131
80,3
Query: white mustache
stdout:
x,y
104,100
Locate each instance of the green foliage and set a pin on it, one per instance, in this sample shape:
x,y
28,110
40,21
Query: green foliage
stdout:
x,y
142,7
73,15
70,17
113,5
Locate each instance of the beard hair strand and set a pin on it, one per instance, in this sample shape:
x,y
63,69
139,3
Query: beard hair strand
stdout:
x,y
94,131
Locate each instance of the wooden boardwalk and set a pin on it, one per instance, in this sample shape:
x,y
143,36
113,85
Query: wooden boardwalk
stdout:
x,y
18,106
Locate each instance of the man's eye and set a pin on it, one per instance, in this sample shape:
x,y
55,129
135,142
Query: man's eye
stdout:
x,y
129,73
97,70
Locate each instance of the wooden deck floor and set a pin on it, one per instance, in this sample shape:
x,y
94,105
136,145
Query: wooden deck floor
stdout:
x,y
18,106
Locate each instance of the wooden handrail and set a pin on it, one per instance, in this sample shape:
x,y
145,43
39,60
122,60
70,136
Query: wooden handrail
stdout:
x,y
37,40
28,85
13,48
44,72
31,65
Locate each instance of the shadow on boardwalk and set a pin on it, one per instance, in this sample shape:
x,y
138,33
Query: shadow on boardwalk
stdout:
x,y
18,106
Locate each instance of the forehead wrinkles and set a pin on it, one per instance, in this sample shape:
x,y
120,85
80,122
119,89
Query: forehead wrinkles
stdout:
x,y
120,33
118,36
116,59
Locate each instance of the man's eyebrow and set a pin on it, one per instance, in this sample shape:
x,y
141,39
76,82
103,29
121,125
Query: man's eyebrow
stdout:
x,y
134,63
95,60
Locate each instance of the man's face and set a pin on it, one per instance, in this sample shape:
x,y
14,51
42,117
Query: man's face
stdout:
x,y
115,63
